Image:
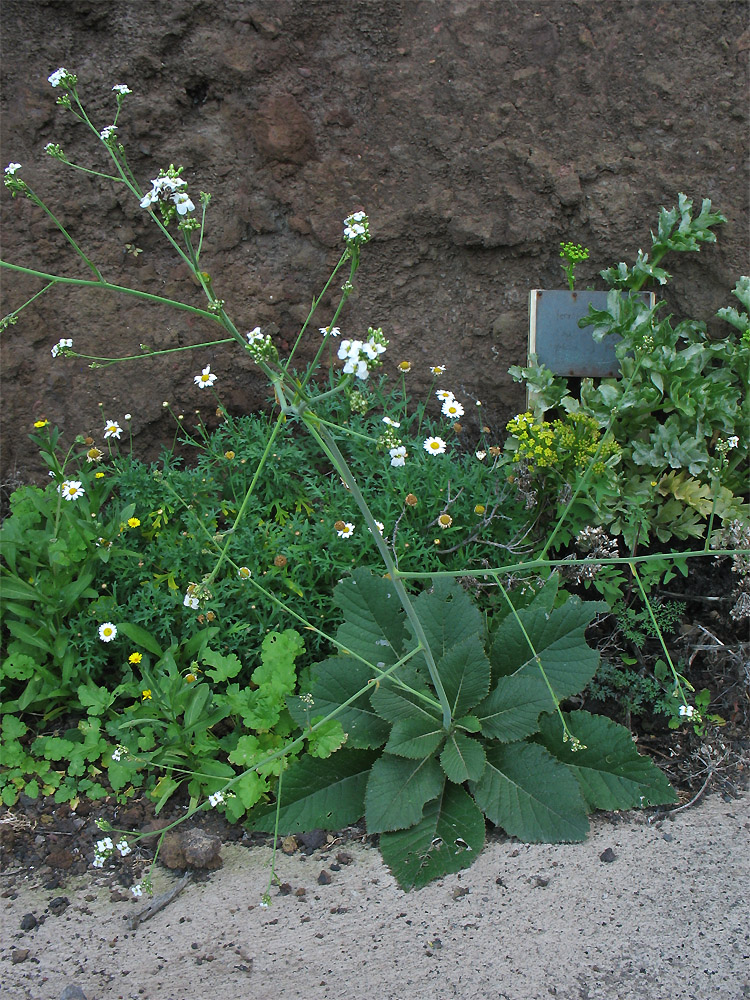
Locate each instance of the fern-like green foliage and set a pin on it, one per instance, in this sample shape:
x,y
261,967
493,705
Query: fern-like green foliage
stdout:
x,y
508,755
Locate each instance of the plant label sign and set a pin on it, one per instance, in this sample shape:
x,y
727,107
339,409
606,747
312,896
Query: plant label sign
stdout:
x,y
560,344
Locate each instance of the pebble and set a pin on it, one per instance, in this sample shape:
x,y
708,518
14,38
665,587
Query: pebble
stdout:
x,y
72,992
19,955
28,922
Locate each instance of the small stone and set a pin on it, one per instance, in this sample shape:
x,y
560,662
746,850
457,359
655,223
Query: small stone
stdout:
x,y
607,856
344,859
459,892
72,992
19,955
58,905
28,922
289,845
285,889
324,878
312,841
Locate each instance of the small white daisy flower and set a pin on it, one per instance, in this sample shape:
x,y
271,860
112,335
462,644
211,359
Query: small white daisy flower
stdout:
x,y
437,369
333,331
435,446
107,632
205,379
444,395
244,573
452,409
71,489
381,526
112,429
347,531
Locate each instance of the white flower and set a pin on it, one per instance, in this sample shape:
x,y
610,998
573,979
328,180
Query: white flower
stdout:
x,y
254,335
168,189
347,531
118,752
381,526
128,416
434,445
452,409
12,168
107,632
98,861
244,573
205,379
104,846
190,600
481,455
215,799
437,369
58,76
332,331
137,890
687,710
66,342
124,848
108,132
121,88
391,423
444,395
733,441
398,456
112,429
182,202
70,489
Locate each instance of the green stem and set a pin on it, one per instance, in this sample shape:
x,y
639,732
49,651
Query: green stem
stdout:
x,y
153,354
655,625
40,204
246,500
58,279
324,438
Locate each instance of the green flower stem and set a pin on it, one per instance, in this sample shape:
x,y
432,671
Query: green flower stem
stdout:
x,y
324,438
662,643
715,483
58,279
316,302
567,735
86,170
153,354
246,500
536,564
40,204
28,302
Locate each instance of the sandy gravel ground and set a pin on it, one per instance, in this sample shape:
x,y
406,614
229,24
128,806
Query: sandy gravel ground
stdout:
x,y
667,919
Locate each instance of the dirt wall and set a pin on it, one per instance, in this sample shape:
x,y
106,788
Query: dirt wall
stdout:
x,y
477,134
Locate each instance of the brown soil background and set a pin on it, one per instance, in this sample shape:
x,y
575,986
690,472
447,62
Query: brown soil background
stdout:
x,y
666,919
477,135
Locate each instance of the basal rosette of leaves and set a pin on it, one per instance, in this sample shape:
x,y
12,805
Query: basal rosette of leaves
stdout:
x,y
679,409
507,755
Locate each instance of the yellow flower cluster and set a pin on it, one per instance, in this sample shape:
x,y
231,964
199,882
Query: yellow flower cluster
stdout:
x,y
567,444
535,441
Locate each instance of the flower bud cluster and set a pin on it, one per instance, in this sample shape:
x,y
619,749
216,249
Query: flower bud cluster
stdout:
x,y
260,346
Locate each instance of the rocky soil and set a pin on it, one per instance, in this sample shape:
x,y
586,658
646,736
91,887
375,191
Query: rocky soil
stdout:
x,y
477,135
